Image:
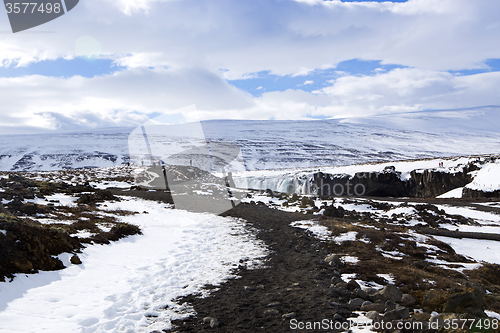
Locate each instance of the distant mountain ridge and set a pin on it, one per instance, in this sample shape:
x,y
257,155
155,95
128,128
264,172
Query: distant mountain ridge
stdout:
x,y
276,144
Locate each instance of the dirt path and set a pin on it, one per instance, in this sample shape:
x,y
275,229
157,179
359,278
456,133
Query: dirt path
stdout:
x,y
295,280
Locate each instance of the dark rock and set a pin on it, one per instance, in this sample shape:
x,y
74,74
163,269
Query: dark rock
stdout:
x,y
438,319
271,312
341,285
213,322
352,285
356,302
379,307
421,316
396,314
391,293
274,304
373,315
408,300
75,260
389,305
374,294
470,302
361,293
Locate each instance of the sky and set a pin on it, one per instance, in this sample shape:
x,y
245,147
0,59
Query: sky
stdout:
x,y
116,63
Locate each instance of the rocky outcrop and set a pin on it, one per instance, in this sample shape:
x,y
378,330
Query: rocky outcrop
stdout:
x,y
388,183
430,183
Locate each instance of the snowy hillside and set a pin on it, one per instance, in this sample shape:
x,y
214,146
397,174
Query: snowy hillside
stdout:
x,y
281,144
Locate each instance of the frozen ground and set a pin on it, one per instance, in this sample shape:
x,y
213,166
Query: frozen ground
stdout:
x,y
130,285
402,214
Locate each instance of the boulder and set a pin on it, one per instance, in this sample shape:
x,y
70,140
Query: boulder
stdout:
x,y
417,316
470,301
436,319
379,307
389,306
361,293
408,300
334,260
352,285
357,302
391,293
373,315
397,314
75,260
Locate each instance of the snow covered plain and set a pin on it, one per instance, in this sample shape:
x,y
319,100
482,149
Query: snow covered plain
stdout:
x,y
130,285
280,144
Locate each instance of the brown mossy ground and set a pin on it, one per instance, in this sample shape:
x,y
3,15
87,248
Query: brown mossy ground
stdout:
x,y
413,274
34,234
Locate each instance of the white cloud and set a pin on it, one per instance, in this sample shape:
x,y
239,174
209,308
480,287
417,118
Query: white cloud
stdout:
x,y
121,99
284,37
196,45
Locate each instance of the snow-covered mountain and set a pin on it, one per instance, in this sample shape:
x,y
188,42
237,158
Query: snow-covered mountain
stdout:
x,y
281,144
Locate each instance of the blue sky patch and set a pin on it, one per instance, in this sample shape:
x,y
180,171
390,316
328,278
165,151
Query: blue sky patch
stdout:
x,y
85,67
374,0
318,79
493,65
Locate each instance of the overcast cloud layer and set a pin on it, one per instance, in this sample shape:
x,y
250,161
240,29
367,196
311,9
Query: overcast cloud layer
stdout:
x,y
178,53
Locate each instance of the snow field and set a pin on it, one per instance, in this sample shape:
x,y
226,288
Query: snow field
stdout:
x,y
129,285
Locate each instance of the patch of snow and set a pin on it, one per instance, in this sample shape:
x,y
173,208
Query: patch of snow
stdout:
x,y
319,231
348,236
446,264
346,277
107,184
388,277
4,232
494,229
492,314
83,234
360,324
456,193
52,221
470,213
477,249
361,208
199,192
390,254
400,210
487,178
371,284
60,199
350,259
104,228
